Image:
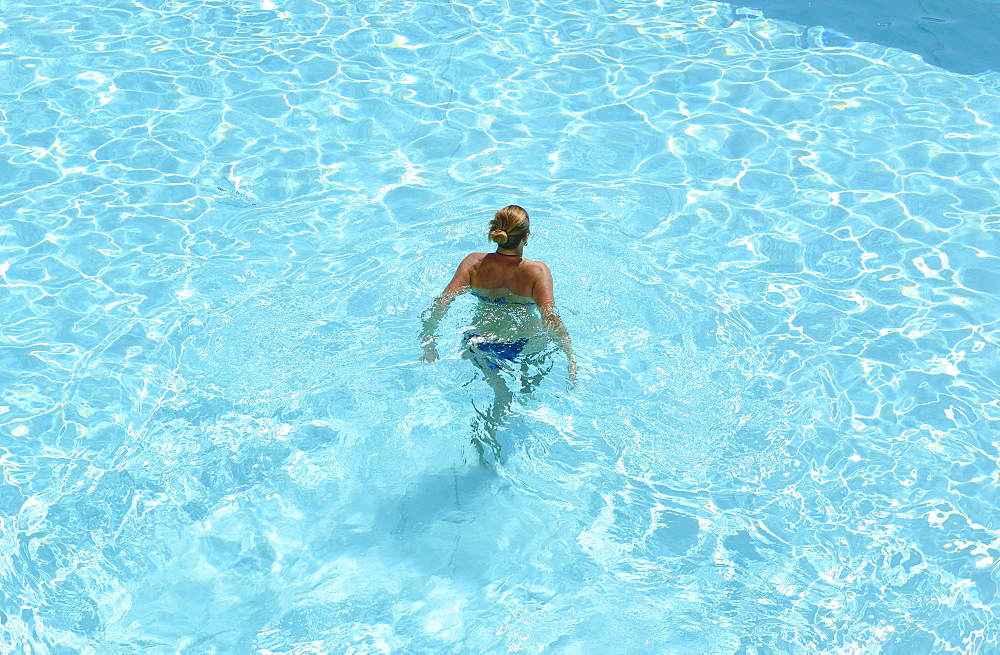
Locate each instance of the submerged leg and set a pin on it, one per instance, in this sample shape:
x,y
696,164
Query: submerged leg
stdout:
x,y
486,423
534,368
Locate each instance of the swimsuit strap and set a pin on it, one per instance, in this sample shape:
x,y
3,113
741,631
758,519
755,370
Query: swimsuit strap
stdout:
x,y
500,300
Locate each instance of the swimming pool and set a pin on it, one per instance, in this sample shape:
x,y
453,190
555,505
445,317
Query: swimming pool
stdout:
x,y
776,253
956,35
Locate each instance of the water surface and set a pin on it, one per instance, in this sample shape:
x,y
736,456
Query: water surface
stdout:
x,y
221,222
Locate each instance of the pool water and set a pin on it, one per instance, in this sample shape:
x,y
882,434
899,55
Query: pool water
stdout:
x,y
776,253
954,34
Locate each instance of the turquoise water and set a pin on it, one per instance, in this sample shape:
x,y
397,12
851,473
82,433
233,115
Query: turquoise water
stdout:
x,y
776,253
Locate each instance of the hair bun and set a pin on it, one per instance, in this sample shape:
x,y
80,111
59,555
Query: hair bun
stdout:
x,y
509,226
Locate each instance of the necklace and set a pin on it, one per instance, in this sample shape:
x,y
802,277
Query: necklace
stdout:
x,y
507,254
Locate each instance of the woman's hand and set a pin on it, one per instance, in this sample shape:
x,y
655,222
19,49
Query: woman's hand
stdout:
x,y
430,353
571,378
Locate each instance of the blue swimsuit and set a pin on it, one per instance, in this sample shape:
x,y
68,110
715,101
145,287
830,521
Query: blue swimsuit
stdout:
x,y
486,353
501,300
493,350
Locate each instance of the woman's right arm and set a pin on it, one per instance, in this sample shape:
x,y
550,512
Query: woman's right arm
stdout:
x,y
460,283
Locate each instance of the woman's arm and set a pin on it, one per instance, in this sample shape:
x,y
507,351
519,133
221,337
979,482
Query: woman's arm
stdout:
x,y
544,297
460,283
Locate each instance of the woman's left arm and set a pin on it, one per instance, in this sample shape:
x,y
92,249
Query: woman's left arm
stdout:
x,y
460,283
545,299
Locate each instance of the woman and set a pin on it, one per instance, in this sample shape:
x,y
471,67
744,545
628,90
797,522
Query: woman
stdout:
x,y
516,309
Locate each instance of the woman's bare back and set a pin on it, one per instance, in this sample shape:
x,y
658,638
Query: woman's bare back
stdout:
x,y
516,274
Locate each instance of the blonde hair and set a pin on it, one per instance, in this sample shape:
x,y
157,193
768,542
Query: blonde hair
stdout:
x,y
509,226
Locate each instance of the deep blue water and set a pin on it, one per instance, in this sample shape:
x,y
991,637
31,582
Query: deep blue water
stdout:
x,y
958,35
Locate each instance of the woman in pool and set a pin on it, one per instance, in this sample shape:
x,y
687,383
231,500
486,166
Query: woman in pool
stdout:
x,y
507,328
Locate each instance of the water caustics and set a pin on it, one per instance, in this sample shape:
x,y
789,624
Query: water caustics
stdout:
x,y
776,253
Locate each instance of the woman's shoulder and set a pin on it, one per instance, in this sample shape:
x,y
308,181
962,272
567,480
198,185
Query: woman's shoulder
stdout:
x,y
536,267
472,260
